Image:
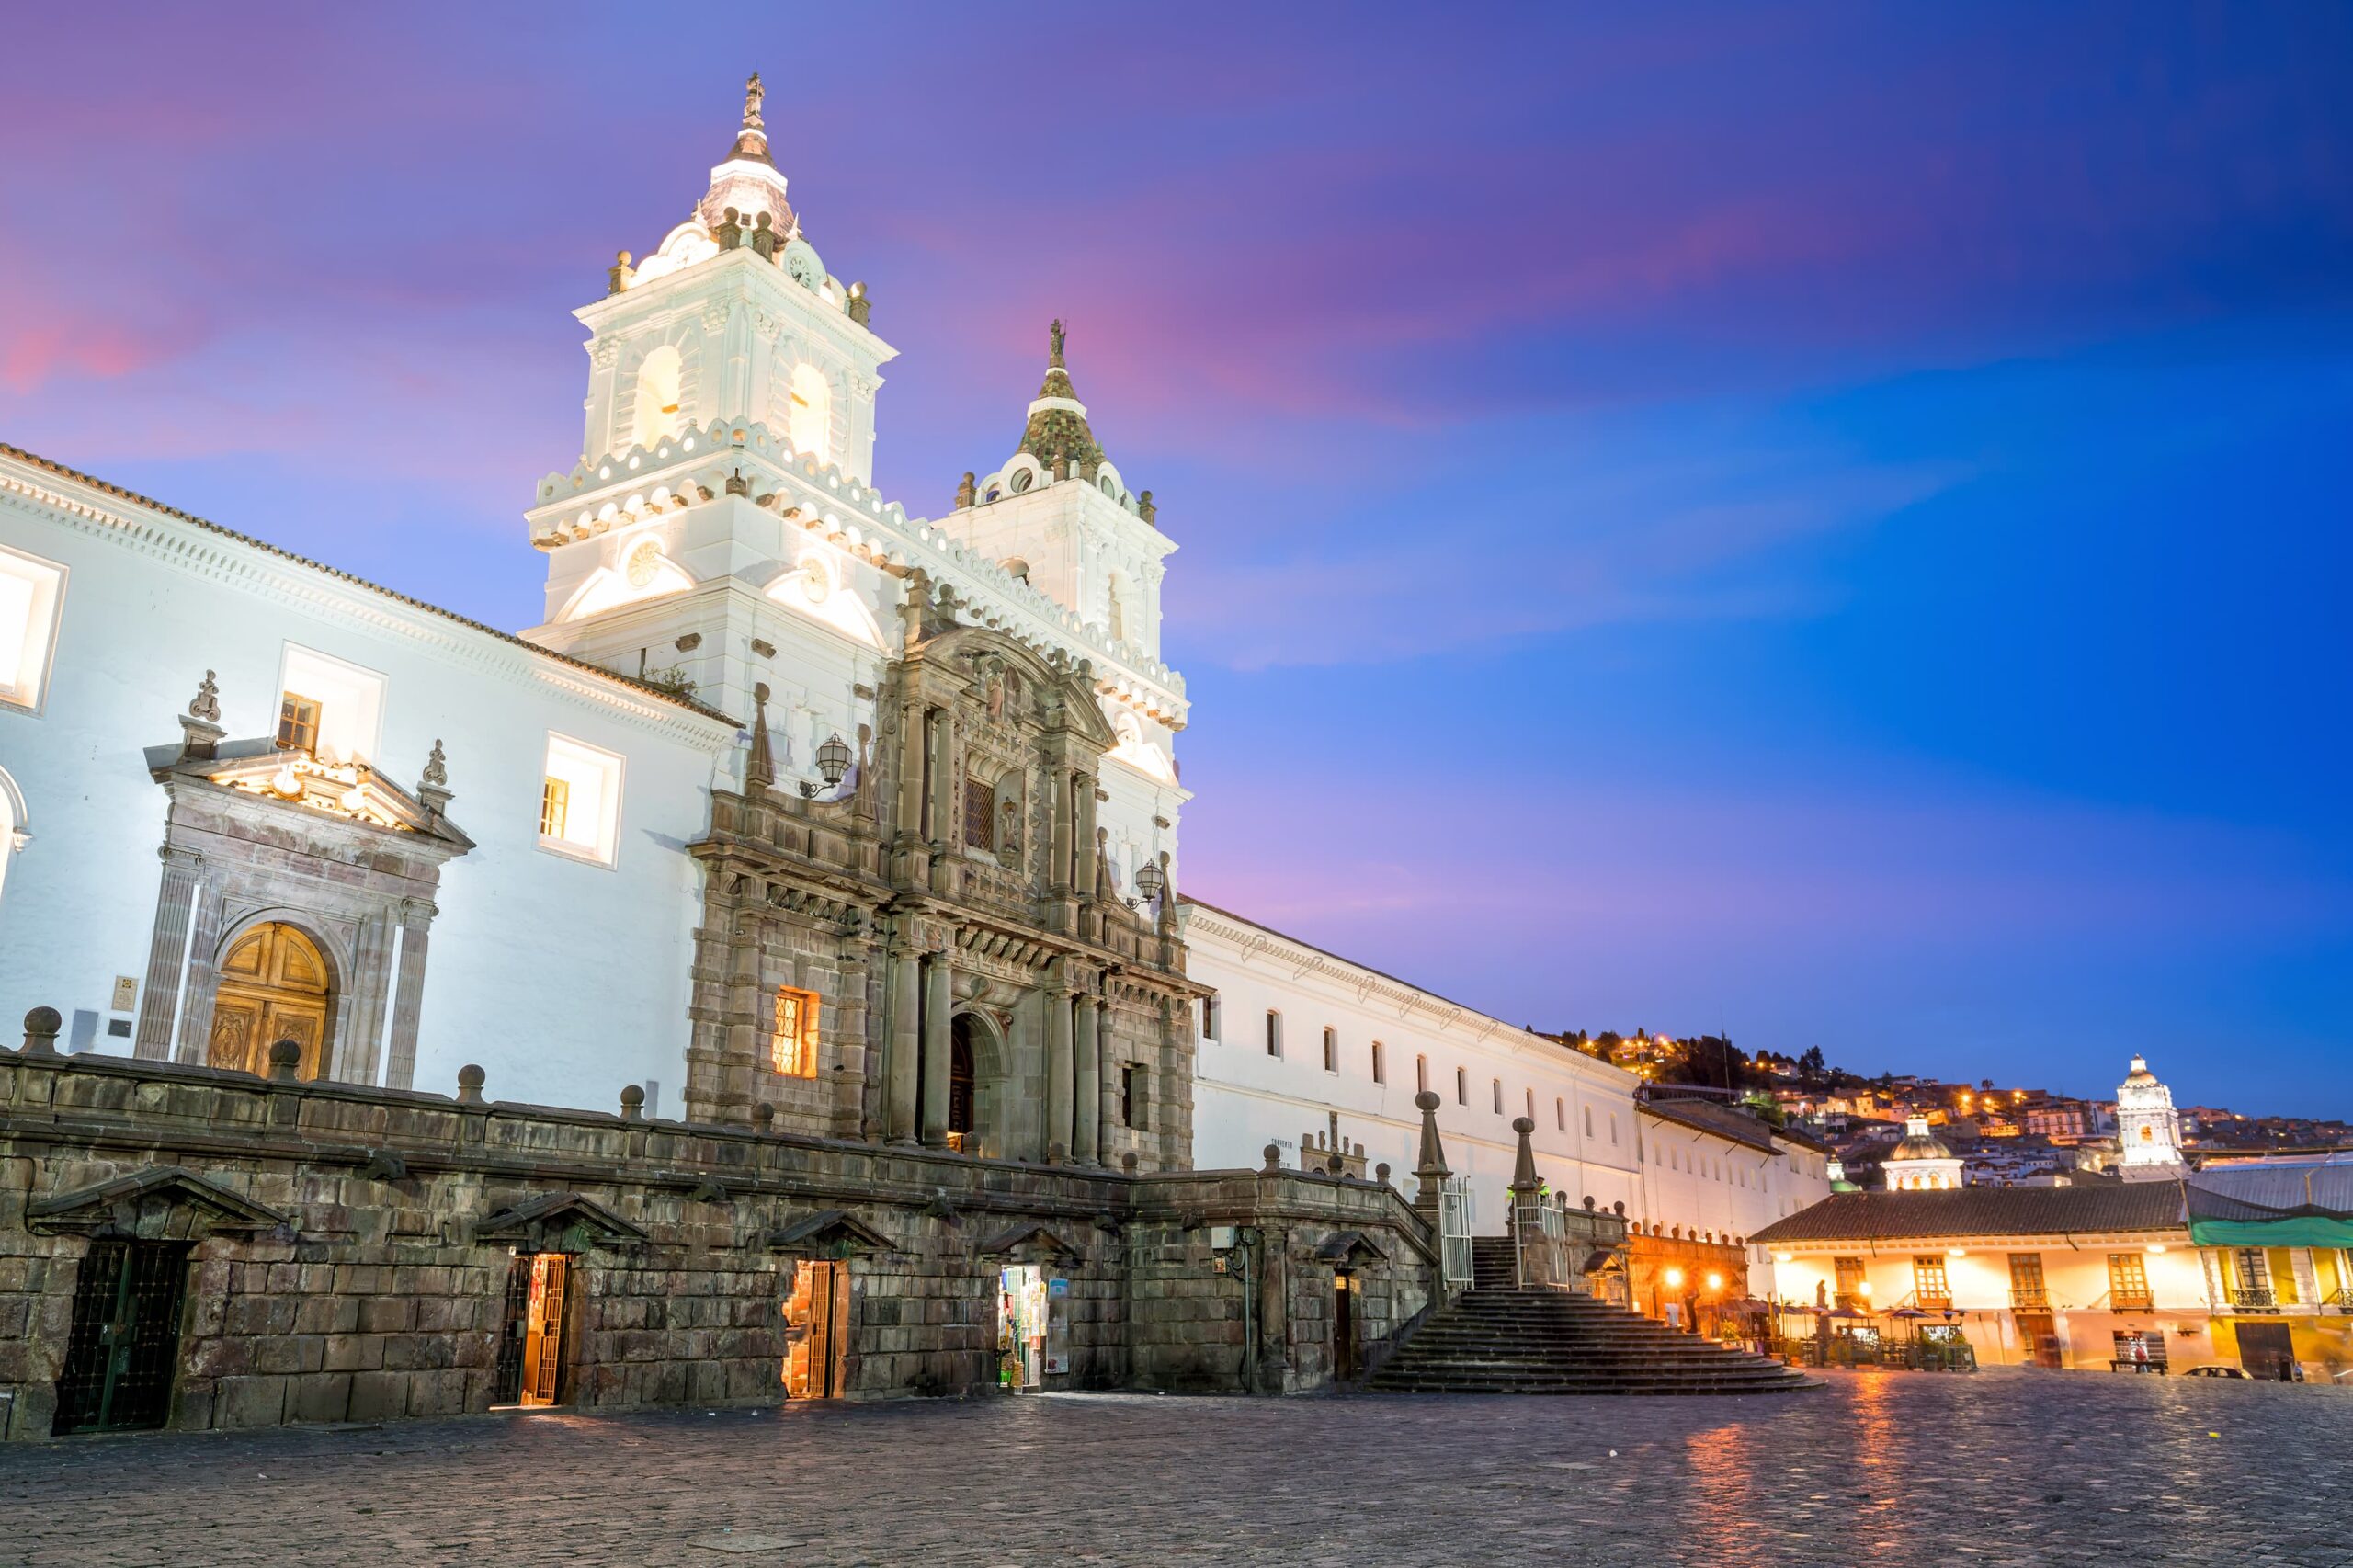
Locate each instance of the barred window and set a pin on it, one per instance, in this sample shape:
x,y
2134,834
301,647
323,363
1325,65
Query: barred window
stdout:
x,y
792,1041
979,815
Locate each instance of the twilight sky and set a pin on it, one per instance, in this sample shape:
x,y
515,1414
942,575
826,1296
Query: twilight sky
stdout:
x,y
1829,521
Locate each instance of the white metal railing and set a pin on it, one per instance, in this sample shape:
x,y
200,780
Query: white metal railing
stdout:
x,y
1540,1237
1454,1219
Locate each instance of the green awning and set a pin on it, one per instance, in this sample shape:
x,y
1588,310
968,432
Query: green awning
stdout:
x,y
2300,1230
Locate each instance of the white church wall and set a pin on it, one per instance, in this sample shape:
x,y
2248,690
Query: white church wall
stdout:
x,y
564,977
1246,1098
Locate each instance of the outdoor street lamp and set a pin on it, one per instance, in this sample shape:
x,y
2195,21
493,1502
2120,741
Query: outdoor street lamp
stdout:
x,y
1149,883
833,761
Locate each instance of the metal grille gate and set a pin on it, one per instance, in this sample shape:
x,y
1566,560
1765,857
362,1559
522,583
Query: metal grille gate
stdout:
x,y
1454,1220
120,1353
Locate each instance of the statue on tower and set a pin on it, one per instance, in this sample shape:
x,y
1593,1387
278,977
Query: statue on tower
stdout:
x,y
1054,343
752,141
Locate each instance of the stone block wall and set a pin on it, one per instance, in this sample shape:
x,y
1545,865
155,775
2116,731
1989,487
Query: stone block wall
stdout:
x,y
350,1250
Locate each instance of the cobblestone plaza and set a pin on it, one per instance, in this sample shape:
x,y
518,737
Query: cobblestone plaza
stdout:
x,y
2005,1467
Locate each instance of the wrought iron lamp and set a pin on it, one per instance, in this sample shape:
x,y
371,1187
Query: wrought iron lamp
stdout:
x,y
833,761
1149,883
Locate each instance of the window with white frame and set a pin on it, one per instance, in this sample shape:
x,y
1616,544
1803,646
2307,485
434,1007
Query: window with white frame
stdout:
x,y
580,801
328,707
31,593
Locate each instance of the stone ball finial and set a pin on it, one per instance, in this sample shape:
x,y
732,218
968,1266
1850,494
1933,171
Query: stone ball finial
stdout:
x,y
1273,1153
1619,1208
632,1102
285,1060
1588,1200
40,1031
1128,1162
470,1082
1427,1100
764,1114
1380,1173
1522,1125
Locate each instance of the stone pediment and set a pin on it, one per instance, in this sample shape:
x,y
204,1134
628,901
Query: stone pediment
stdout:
x,y
829,1233
558,1222
353,792
1350,1246
1029,1237
161,1203
1013,683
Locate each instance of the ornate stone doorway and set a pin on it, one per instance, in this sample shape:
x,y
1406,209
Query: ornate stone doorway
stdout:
x,y
275,985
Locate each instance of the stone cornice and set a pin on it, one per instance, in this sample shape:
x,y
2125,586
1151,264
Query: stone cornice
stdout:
x,y
207,550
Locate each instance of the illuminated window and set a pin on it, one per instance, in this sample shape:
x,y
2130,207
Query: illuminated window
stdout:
x,y
792,1035
584,785
1849,1289
1331,1049
328,707
297,725
555,807
1928,1282
30,592
1380,1064
2128,1282
979,815
812,413
659,380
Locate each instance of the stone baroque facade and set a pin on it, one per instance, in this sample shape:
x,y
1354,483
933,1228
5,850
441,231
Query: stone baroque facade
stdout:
x,y
350,1250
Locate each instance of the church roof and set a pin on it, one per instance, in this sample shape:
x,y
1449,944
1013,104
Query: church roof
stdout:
x,y
1723,1122
1983,1211
1918,1144
119,493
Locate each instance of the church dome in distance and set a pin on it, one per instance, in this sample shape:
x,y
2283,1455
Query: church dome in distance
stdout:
x,y
1918,1143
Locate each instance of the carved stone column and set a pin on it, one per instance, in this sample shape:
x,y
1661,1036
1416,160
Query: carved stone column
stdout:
x,y
1060,807
167,953
1081,871
912,739
408,993
1059,1071
201,978
940,997
1086,1136
899,1062
939,824
355,1057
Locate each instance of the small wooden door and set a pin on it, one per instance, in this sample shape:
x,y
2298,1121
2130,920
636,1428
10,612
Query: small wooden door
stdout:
x,y
273,986
1345,1353
2264,1348
2039,1332
123,1347
821,1305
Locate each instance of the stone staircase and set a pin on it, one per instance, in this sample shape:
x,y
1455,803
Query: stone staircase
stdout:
x,y
1497,1338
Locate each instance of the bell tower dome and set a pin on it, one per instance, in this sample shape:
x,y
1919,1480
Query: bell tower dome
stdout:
x,y
2148,1128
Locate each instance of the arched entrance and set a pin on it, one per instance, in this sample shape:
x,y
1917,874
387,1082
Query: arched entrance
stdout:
x,y
275,985
960,1083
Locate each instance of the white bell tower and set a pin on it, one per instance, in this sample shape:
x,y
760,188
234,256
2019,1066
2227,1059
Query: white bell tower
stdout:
x,y
725,465
2148,1128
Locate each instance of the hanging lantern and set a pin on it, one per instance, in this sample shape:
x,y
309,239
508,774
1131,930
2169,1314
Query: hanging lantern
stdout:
x,y
1148,880
832,758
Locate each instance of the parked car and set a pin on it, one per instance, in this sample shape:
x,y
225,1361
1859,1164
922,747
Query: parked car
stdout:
x,y
2216,1370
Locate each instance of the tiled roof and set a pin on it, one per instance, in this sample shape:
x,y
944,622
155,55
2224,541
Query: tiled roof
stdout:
x,y
1706,1116
2269,1191
692,705
1983,1211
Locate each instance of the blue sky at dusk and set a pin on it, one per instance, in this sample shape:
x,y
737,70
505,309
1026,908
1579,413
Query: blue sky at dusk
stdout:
x,y
1825,520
